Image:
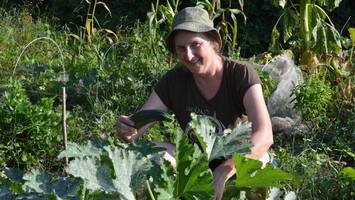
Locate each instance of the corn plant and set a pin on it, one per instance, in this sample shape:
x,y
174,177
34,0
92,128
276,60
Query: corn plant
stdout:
x,y
308,24
158,16
228,24
90,23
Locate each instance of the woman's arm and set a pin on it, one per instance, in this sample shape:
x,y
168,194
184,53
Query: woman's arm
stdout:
x,y
261,137
125,129
258,115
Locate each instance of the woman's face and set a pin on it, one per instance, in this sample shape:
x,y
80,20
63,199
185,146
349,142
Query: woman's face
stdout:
x,y
195,51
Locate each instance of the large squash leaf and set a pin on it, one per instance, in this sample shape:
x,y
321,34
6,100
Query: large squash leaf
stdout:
x,y
205,133
165,188
145,147
75,150
112,170
44,184
193,175
221,146
251,174
37,181
96,176
129,168
193,178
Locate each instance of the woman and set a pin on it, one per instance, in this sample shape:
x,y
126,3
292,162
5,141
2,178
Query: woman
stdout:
x,y
209,84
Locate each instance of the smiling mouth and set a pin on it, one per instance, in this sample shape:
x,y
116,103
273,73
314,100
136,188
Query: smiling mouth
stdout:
x,y
196,63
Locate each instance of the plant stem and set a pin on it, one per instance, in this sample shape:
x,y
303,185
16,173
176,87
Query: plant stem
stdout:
x,y
351,55
93,10
304,14
149,190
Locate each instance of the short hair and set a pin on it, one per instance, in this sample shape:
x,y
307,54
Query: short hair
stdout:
x,y
214,38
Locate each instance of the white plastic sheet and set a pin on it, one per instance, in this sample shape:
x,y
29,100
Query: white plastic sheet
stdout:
x,y
288,75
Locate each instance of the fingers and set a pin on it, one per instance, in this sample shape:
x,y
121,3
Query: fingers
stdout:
x,y
217,197
219,180
219,190
125,129
218,185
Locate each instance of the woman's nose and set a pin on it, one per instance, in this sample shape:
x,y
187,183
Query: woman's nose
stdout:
x,y
189,54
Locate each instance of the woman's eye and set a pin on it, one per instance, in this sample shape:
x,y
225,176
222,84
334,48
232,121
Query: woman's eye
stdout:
x,y
196,44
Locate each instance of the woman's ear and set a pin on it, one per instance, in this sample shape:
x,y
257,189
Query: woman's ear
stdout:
x,y
215,46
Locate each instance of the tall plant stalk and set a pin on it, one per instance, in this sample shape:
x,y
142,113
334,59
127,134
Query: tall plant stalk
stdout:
x,y
90,16
305,29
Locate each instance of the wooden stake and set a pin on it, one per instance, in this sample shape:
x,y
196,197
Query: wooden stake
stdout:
x,y
64,125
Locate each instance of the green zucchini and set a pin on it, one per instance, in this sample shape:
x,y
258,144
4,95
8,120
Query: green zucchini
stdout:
x,y
144,117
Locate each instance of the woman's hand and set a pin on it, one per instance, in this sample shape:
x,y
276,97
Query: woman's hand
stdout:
x,y
125,129
220,175
124,125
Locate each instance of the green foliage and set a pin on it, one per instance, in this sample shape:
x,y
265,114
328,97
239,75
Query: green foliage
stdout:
x,y
226,21
37,184
312,98
268,84
221,146
251,174
92,26
30,132
107,171
352,35
317,174
160,21
254,36
310,26
103,79
349,172
114,73
192,179
17,28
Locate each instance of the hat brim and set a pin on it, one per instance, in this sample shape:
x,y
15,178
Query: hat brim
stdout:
x,y
192,27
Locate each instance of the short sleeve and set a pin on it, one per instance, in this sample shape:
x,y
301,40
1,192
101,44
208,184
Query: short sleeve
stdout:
x,y
171,87
162,89
240,77
248,77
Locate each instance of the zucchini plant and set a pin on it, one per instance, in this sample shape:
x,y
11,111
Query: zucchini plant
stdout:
x,y
100,170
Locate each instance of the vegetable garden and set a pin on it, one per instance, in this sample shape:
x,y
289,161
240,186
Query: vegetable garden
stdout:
x,y
67,71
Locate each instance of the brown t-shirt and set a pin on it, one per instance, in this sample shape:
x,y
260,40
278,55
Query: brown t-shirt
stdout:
x,y
179,92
